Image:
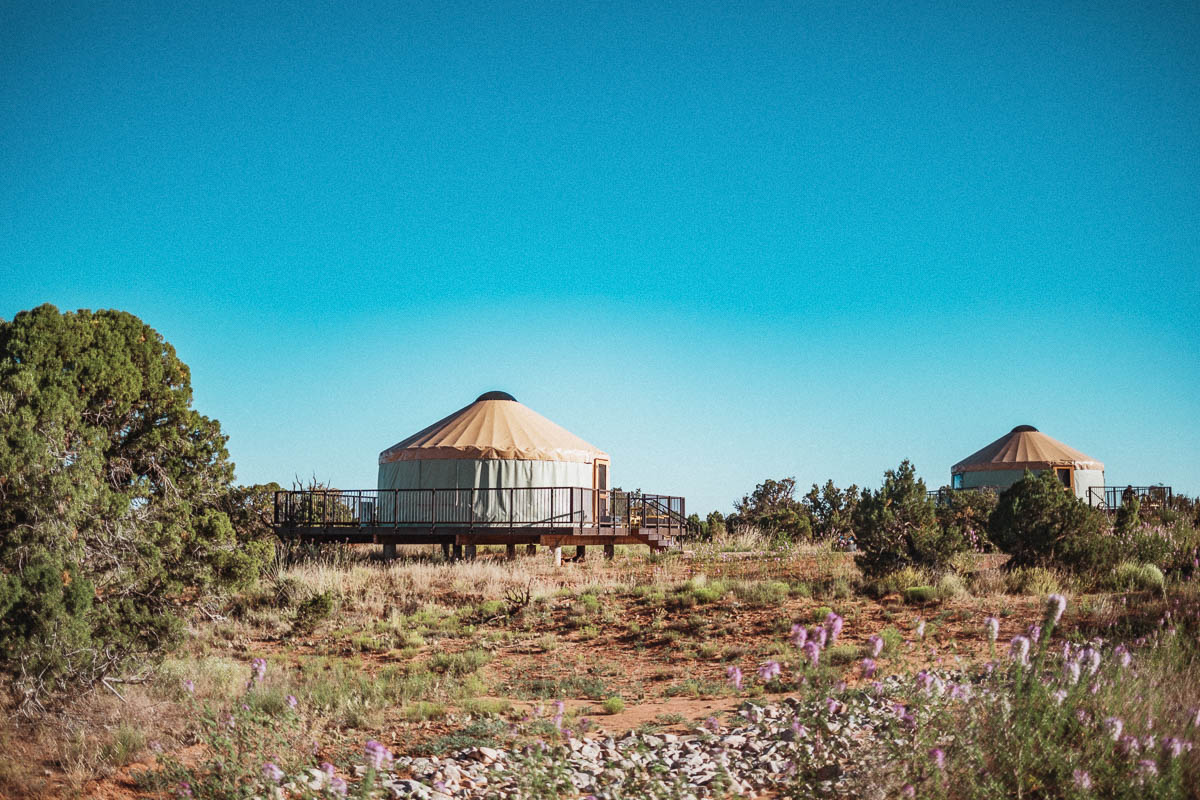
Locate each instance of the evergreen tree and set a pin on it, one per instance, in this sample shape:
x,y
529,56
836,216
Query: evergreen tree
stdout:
x,y
895,527
1039,522
110,493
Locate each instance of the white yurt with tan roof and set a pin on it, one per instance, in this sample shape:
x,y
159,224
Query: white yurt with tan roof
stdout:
x,y
1004,461
489,446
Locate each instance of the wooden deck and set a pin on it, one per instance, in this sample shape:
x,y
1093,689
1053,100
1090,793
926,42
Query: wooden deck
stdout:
x,y
553,517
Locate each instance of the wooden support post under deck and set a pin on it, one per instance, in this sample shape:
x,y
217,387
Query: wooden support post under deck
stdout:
x,y
531,549
458,552
510,551
558,555
389,552
580,552
446,550
470,552
610,551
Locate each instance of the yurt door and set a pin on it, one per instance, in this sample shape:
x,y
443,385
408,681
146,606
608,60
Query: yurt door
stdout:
x,y
600,484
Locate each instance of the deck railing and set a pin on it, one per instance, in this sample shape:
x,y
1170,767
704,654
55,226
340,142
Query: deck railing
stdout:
x,y
1110,498
558,507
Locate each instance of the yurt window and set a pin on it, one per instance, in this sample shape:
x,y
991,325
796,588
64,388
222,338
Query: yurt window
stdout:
x,y
1064,475
958,480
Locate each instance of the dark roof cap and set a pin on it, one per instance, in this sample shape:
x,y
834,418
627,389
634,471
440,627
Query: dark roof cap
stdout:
x,y
1024,429
495,396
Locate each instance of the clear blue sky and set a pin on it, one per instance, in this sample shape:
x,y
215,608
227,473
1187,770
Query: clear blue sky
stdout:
x,y
725,242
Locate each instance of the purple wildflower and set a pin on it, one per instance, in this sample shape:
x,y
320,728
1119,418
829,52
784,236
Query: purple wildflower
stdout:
x,y
800,731
734,676
559,709
327,768
875,643
1124,659
1018,650
908,791
711,724
338,786
271,772
189,687
834,623
1034,632
812,652
377,755
1058,696
1147,768
992,626
769,671
1056,604
1172,747
868,667
258,669
799,635
924,681
292,701
1071,672
920,629
1083,781
1115,726
184,789
821,635
939,757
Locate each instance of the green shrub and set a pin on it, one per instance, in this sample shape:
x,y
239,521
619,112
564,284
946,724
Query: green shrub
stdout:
x,y
892,639
613,705
463,663
1039,523
422,710
314,611
920,594
1129,575
762,593
898,582
896,527
950,586
1032,580
841,654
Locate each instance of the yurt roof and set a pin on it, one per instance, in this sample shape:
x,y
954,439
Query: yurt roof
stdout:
x,y
495,426
1025,447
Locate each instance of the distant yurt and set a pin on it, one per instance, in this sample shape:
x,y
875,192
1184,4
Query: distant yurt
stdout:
x,y
1004,461
493,445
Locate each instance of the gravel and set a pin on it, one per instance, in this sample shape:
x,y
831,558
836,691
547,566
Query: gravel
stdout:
x,y
821,747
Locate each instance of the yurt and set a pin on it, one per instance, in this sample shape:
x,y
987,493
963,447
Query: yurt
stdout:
x,y
1004,461
493,445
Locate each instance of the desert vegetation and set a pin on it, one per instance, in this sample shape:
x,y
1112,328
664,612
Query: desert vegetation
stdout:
x,y
860,642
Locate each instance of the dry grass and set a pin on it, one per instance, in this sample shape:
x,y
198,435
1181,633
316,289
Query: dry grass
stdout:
x,y
415,643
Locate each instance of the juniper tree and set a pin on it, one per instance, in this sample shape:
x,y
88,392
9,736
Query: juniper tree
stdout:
x,y
1039,522
110,487
895,526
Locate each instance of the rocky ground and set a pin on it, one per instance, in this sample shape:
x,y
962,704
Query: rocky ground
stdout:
x,y
820,747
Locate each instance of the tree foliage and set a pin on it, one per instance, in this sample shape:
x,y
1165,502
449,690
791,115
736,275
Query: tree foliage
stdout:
x,y
832,512
773,508
895,526
111,493
1039,523
967,511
